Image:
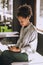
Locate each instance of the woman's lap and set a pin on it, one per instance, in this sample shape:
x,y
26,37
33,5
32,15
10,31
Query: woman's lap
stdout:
x,y
9,57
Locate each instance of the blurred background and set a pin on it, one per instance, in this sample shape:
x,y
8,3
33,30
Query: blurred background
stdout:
x,y
6,15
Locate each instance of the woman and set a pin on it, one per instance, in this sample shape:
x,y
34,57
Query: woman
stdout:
x,y
27,43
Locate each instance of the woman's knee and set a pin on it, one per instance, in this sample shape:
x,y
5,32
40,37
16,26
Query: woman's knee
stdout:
x,y
25,57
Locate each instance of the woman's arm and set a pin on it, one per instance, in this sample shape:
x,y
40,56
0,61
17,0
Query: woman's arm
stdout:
x,y
32,43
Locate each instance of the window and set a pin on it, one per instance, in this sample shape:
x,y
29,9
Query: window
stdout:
x,y
41,7
6,15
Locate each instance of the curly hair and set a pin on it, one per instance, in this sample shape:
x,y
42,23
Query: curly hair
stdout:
x,y
24,11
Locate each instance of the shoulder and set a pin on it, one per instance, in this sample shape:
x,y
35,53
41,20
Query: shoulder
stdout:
x,y
33,28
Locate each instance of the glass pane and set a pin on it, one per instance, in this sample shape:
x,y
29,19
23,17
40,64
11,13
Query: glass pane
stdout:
x,y
6,15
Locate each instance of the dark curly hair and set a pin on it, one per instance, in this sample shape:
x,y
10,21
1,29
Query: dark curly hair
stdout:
x,y
24,11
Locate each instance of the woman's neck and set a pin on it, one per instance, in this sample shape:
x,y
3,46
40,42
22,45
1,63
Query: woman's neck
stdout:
x,y
27,24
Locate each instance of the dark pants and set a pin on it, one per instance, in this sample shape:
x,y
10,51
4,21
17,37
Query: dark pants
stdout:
x,y
7,57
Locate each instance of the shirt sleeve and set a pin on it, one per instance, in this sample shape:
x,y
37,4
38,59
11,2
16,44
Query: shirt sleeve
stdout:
x,y
32,44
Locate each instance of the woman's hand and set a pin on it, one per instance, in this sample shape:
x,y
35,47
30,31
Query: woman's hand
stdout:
x,y
14,49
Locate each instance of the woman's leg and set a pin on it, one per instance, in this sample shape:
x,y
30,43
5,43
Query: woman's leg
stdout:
x,y
8,57
0,60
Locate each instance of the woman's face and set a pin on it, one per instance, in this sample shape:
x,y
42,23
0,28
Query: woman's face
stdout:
x,y
23,21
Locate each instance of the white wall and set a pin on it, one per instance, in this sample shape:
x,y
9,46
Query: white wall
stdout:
x,y
39,19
